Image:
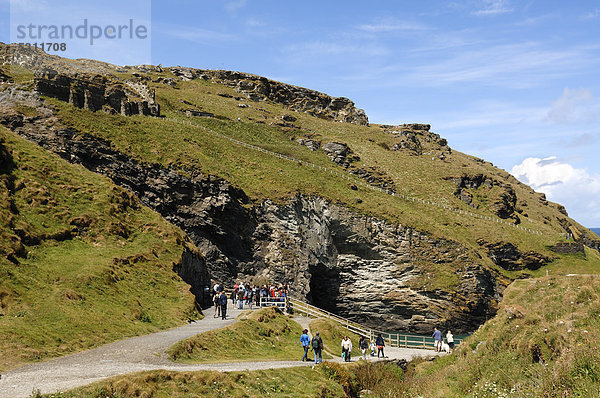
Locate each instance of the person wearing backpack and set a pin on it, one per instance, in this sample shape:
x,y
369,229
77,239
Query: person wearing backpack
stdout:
x,y
363,344
317,346
380,343
223,303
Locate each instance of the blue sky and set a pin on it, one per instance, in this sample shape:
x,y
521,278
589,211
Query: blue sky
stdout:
x,y
513,82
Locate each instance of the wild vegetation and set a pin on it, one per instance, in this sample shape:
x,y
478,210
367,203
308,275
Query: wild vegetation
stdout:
x,y
332,334
291,382
265,334
82,262
542,343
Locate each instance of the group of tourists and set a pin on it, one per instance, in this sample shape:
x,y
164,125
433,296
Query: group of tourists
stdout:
x,y
439,341
316,344
246,294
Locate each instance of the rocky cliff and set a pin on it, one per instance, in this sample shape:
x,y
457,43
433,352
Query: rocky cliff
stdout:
x,y
300,99
96,92
358,266
384,271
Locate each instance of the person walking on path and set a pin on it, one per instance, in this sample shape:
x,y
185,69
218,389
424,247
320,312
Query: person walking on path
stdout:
x,y
317,346
305,340
346,348
223,302
217,305
363,344
373,347
450,340
380,343
437,337
240,298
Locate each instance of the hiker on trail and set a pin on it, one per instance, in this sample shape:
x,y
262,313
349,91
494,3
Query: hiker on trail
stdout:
x,y
346,348
363,344
256,295
240,297
317,346
437,337
372,346
450,340
223,303
305,341
217,305
380,344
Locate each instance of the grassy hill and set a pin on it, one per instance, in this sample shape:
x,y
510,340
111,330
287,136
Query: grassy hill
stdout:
x,y
197,144
81,262
265,334
80,251
542,343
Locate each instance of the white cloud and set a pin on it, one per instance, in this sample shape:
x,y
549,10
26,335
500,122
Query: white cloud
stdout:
x,y
493,7
575,106
575,188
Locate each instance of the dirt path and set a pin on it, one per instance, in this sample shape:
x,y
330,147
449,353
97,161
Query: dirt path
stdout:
x,y
136,354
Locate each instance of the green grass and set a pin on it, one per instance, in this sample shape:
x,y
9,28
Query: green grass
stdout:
x,y
543,342
92,265
332,334
291,382
196,147
263,176
327,380
266,334
199,147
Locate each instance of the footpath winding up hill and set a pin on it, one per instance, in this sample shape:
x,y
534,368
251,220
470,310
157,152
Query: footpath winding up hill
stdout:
x,y
218,175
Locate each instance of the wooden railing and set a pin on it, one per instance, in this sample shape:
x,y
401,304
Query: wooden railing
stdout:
x,y
392,339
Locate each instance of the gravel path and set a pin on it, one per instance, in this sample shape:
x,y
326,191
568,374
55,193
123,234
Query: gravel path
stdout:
x,y
137,354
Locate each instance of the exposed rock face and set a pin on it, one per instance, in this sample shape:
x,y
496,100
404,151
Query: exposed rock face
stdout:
x,y
363,267
505,202
96,92
342,155
313,145
569,248
508,256
337,152
299,99
356,265
417,139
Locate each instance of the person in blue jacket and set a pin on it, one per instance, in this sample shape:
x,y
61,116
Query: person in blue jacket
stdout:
x,y
305,340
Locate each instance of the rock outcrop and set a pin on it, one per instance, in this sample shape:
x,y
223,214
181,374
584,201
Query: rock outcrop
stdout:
x,y
509,257
358,266
504,203
258,88
97,92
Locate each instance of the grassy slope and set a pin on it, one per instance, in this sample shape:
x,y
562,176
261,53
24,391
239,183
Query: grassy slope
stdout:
x,y
292,382
69,295
266,334
184,147
332,334
555,318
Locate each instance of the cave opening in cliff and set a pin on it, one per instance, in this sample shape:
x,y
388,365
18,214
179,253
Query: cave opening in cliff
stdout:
x,y
324,287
